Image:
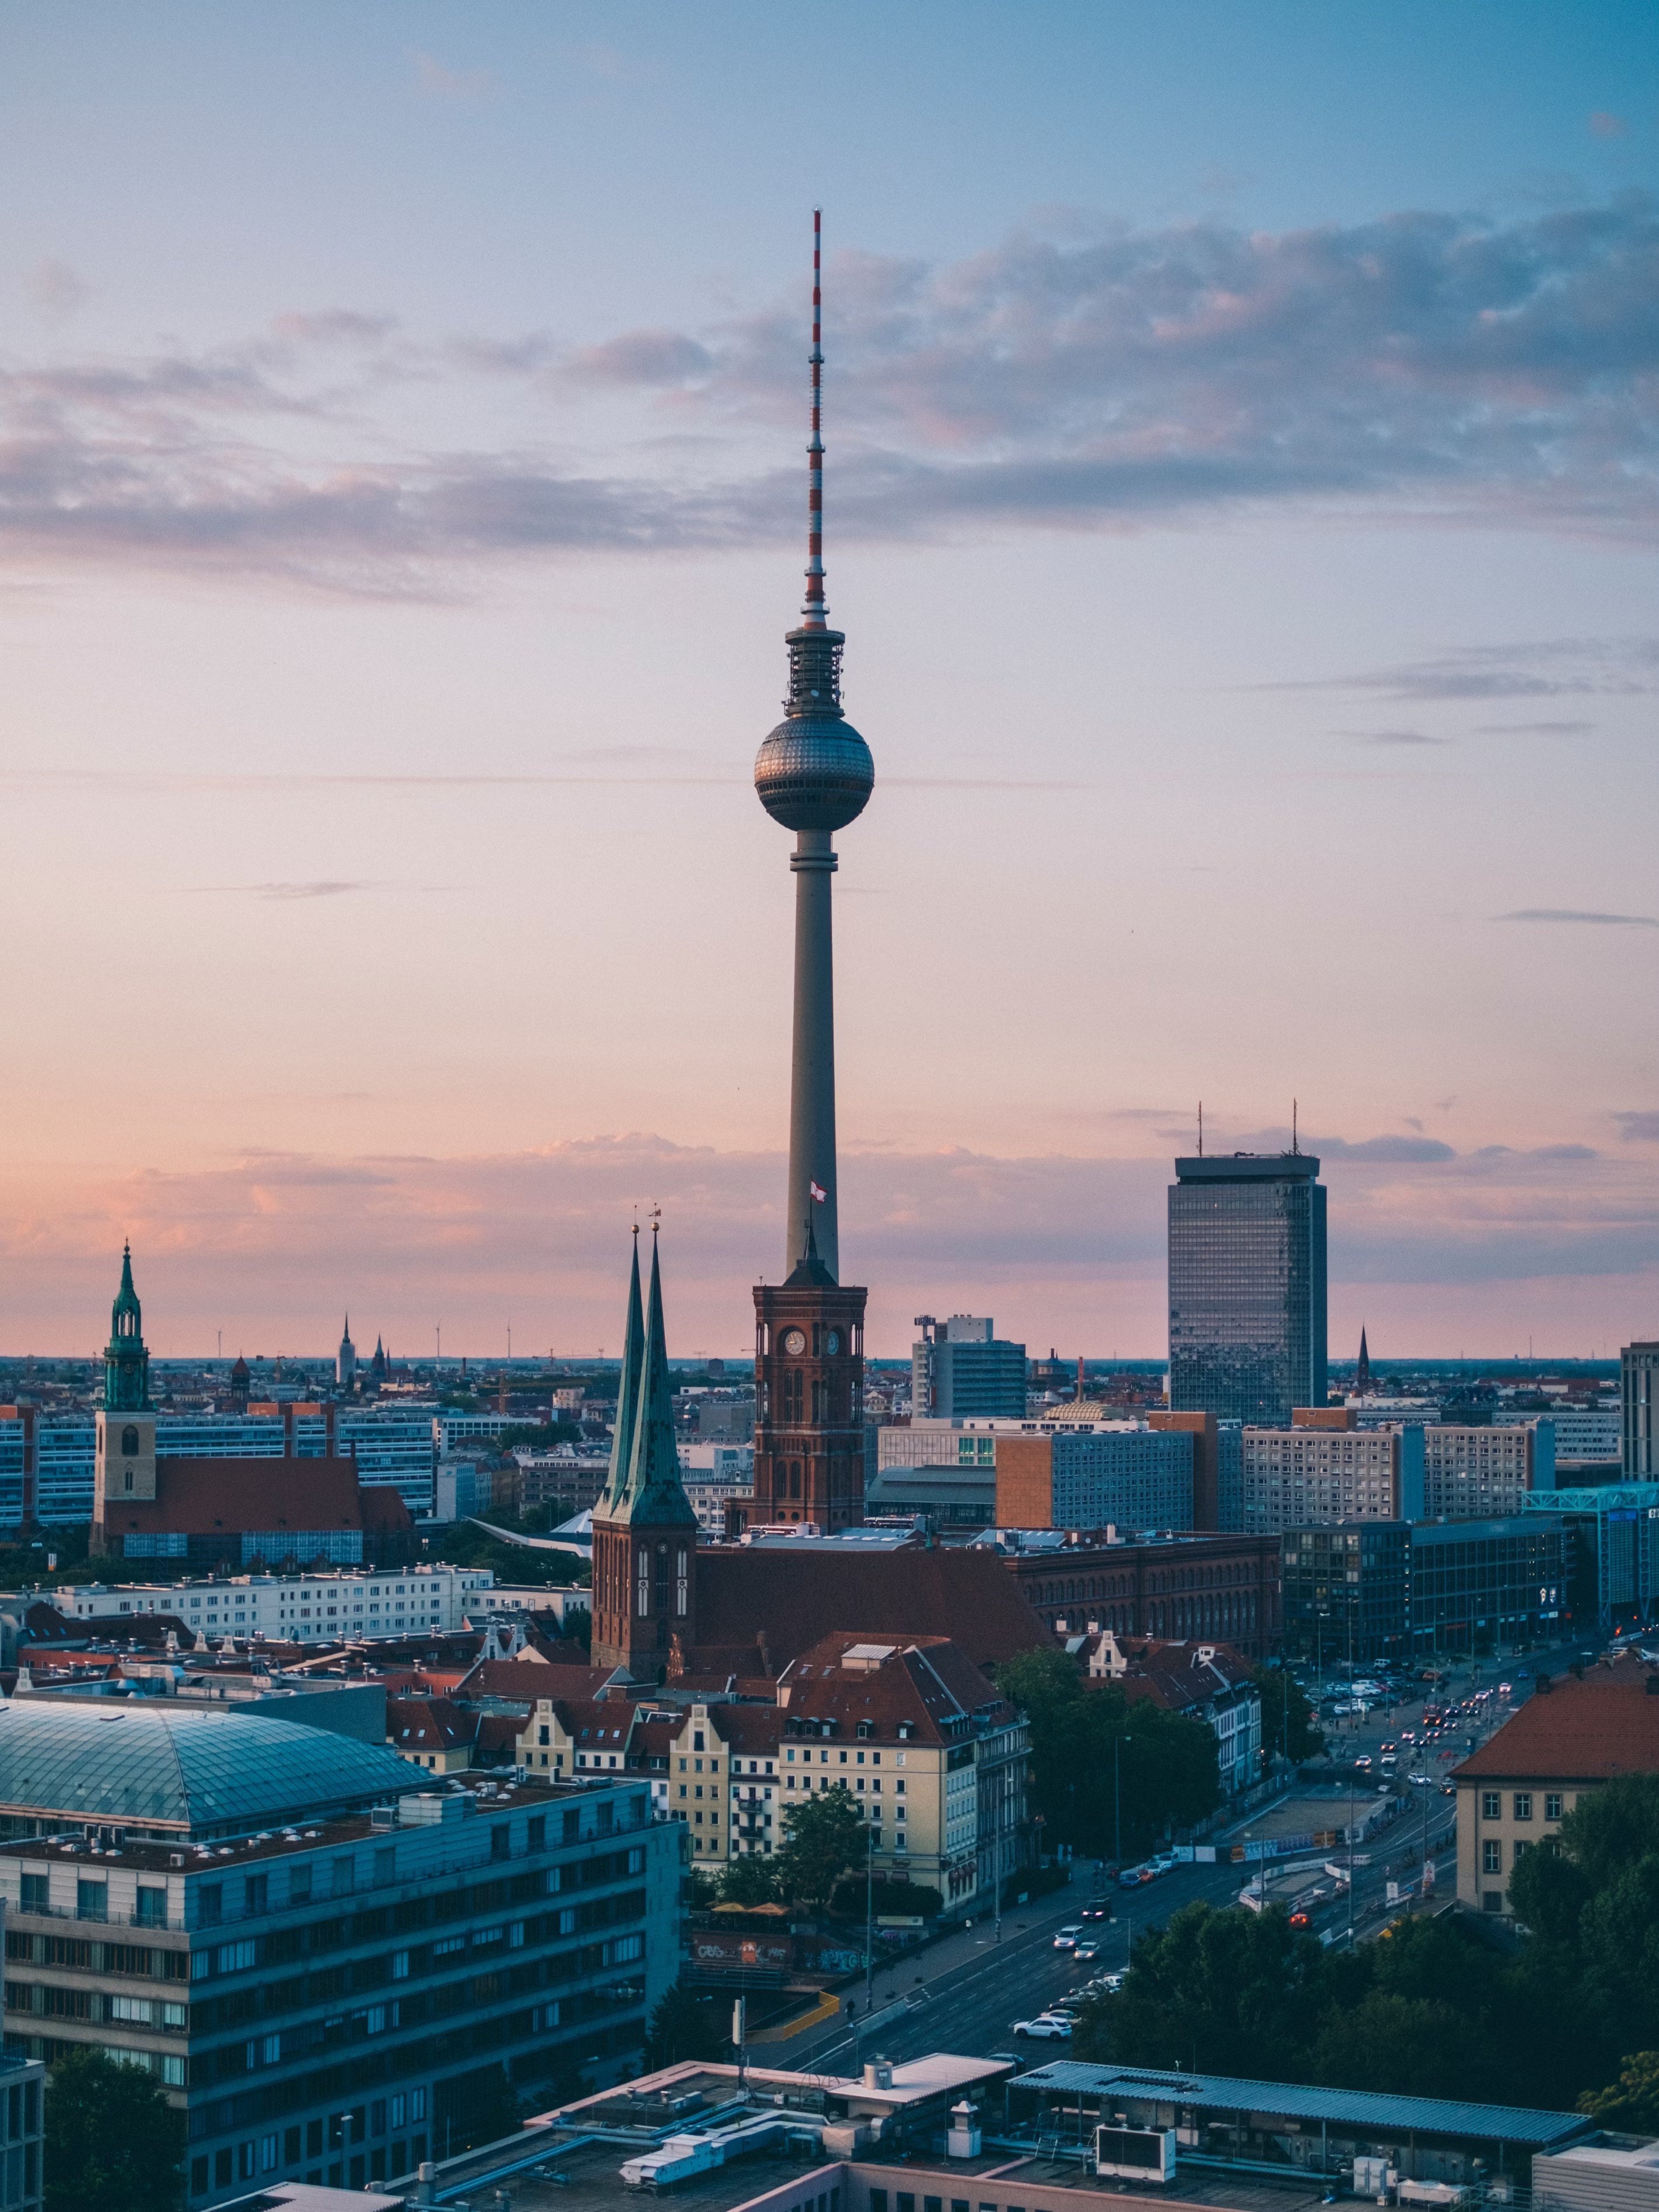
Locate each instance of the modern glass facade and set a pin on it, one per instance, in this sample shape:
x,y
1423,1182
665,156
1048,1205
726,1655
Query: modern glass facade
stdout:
x,y
1390,1590
1247,1287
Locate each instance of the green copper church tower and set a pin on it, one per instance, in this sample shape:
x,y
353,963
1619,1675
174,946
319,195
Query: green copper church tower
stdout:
x,y
126,1363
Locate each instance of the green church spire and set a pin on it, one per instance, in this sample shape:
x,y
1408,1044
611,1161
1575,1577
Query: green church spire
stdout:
x,y
126,1363
628,1396
656,1498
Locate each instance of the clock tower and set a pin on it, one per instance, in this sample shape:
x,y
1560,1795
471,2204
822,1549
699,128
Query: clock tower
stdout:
x,y
124,1458
813,774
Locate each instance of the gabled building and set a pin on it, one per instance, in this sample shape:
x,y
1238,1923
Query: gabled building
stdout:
x,y
1207,1682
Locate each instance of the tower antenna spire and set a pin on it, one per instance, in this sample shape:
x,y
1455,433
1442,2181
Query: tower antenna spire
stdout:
x,y
815,613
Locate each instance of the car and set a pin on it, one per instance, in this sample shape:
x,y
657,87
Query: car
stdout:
x,y
1046,2024
1111,1983
1421,1780
1088,1949
1388,1747
1098,1908
1299,1920
1523,1673
1363,1763
1505,1689
1132,1878
1067,1939
1165,1862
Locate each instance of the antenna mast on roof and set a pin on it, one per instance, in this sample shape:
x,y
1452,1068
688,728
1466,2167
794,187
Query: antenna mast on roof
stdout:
x,y
1201,1128
1295,1143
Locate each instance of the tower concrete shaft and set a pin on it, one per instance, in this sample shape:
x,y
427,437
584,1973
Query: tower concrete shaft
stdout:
x,y
812,1221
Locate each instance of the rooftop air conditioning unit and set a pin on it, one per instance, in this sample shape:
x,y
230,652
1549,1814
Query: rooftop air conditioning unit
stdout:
x,y
1135,2154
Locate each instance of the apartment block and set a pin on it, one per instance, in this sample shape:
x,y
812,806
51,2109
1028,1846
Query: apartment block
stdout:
x,y
1473,1473
1297,1477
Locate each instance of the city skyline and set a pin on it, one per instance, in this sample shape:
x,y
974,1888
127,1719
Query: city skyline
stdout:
x,y
1241,511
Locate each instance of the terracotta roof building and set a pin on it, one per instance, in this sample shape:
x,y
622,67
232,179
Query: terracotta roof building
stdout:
x,y
234,1514
1569,1737
758,1609
1207,1682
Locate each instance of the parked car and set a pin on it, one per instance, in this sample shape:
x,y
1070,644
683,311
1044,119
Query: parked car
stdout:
x,y
1111,1983
1165,1862
1132,1877
1067,1939
1045,2024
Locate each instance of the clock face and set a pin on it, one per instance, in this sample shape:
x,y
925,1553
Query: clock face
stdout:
x,y
793,1342
832,1342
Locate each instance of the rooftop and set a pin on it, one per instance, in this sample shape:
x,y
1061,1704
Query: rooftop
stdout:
x,y
1578,1731
164,1766
311,1835
1443,2116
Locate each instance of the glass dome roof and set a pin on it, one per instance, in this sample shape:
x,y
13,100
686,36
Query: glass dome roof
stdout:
x,y
193,1773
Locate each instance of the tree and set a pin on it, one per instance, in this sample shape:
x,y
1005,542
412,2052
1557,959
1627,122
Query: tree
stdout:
x,y
1631,2103
909,1900
1287,1718
1227,1992
824,1837
1407,2046
113,2142
484,2109
687,2023
1102,1767
749,1880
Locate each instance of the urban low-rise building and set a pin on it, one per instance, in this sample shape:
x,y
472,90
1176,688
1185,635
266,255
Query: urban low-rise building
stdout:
x,y
1217,1588
293,1609
319,1958
1206,1682
1570,1737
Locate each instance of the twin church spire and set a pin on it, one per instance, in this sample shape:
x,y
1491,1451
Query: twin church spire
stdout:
x,y
645,1532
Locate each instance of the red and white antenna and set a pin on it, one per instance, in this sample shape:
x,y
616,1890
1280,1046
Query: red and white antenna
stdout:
x,y
815,612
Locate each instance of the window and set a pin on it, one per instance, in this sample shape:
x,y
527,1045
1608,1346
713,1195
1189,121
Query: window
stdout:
x,y
36,1888
1552,1809
1491,1805
1491,1858
92,1900
299,1885
1492,1900
1524,1804
152,1907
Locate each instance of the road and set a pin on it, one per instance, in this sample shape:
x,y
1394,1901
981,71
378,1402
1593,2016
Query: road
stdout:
x,y
966,1993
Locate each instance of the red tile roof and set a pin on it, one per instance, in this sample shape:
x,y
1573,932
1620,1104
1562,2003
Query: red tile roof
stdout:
x,y
925,1681
195,1496
1578,1731
794,1599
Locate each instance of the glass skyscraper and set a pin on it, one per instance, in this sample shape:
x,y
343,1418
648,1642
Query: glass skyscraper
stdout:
x,y
1247,1286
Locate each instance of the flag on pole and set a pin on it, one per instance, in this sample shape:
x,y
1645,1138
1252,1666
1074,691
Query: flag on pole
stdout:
x,y
818,1191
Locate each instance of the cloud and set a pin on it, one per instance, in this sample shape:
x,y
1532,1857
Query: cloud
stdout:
x,y
1574,914
318,890
1052,1245
643,357
1391,737
56,289
1639,1128
466,87
1390,1152
1626,666
1103,377
1604,125
1533,729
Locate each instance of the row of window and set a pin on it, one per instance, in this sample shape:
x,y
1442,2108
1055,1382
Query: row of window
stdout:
x,y
1492,1804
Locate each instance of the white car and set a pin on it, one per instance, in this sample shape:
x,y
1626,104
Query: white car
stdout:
x,y
1045,2024
1067,1938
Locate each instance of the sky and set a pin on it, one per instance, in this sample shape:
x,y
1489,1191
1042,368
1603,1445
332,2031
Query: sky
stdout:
x,y
1242,500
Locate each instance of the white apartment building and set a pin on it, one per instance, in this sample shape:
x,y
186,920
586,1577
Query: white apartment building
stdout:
x,y
1301,1477
1474,1474
1588,1433
293,1607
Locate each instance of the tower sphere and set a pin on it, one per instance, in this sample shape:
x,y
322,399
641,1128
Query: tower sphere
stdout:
x,y
814,772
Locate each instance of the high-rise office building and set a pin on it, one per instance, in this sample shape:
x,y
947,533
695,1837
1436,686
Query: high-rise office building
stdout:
x,y
813,774
1639,1371
961,1369
1247,1286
